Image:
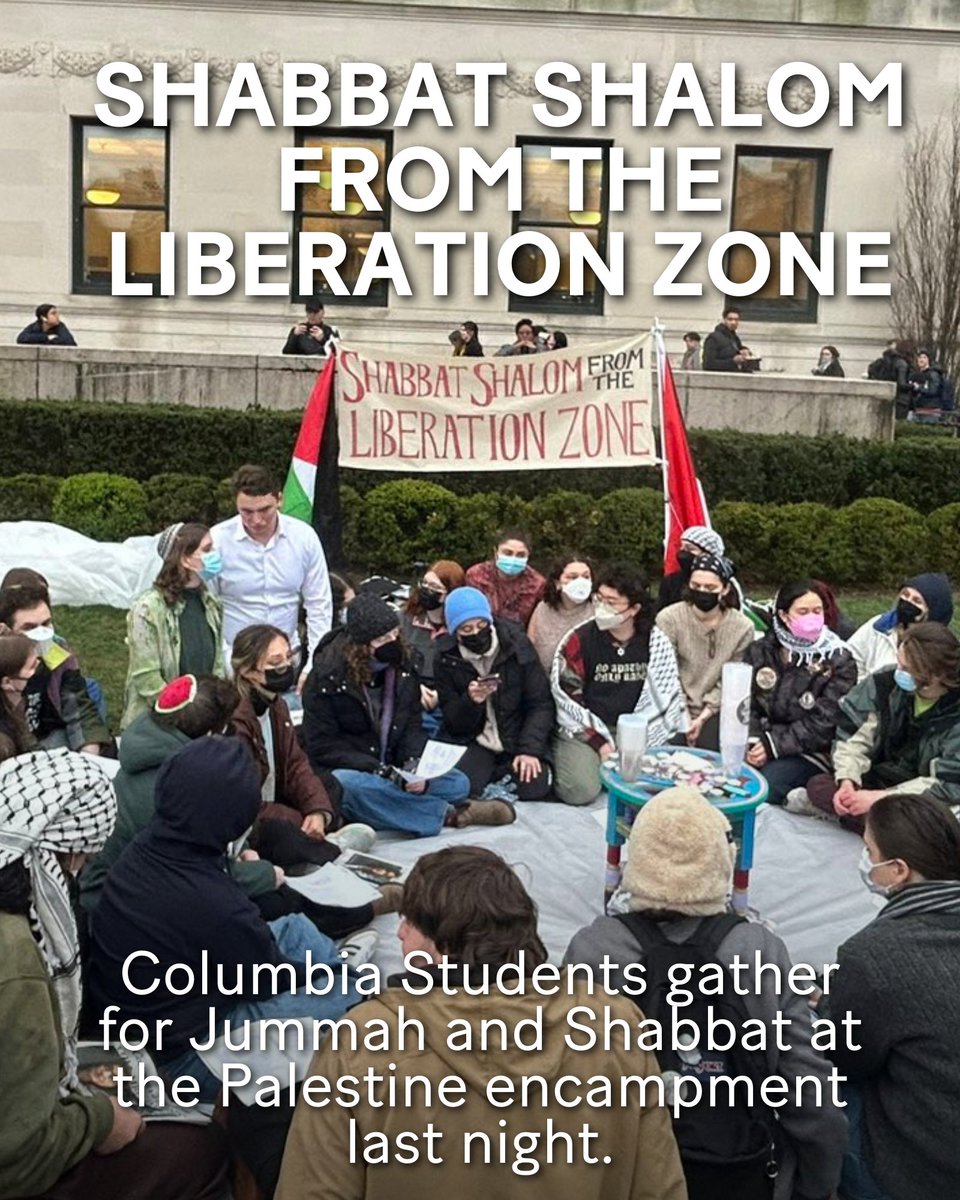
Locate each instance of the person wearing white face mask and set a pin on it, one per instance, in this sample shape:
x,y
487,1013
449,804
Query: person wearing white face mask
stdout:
x,y
176,627
617,663
567,602
58,709
512,586
897,979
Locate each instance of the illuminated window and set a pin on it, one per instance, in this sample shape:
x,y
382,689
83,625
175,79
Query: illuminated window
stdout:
x,y
120,179
314,214
546,210
774,192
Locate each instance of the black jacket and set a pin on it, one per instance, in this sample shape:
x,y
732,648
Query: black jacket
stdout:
x,y
794,709
339,727
522,704
35,335
719,350
169,894
926,388
305,343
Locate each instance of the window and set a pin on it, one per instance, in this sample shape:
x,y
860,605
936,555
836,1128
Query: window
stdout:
x,y
774,192
546,209
356,226
120,180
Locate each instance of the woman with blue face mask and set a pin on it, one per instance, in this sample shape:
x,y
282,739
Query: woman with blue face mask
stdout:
x,y
898,731
175,628
897,979
512,586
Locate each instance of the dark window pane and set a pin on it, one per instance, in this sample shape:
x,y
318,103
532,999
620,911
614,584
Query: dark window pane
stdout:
x,y
315,198
546,189
776,194
143,231
124,167
356,234
529,264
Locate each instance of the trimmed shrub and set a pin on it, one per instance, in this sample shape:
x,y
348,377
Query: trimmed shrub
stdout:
x,y
746,530
172,497
28,497
480,518
562,521
351,506
885,542
802,541
629,527
106,507
943,530
403,521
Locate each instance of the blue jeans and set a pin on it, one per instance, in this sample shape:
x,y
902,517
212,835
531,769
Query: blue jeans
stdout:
x,y
376,801
856,1179
785,774
295,935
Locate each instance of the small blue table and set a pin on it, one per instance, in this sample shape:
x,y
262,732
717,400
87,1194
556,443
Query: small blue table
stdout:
x,y
624,801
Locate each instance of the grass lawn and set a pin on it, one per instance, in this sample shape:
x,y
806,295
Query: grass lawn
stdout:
x,y
97,635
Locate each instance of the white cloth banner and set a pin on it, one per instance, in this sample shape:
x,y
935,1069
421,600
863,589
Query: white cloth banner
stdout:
x,y
562,408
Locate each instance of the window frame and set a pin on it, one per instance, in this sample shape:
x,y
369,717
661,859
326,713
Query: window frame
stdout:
x,y
543,304
379,294
80,205
783,309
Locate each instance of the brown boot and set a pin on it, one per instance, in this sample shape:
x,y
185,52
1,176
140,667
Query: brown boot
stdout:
x,y
483,812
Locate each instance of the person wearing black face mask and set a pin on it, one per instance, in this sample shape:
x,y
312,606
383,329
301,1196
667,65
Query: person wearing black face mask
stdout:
x,y
695,541
362,721
705,633
926,597
495,698
422,625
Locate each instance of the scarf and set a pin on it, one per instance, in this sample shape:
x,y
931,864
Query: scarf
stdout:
x,y
886,622
826,645
55,802
937,895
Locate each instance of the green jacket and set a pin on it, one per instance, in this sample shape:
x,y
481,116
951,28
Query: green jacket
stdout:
x,y
41,1135
144,748
153,639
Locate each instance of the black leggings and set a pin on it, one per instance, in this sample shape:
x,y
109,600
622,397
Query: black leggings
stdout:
x,y
483,766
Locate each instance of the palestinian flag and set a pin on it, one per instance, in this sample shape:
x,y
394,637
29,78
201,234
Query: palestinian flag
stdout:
x,y
301,486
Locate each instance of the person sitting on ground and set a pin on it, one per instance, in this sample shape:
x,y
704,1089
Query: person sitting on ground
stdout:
x,y
898,731
705,633
422,624
176,627
926,384
525,343
512,586
801,672
169,896
723,350
466,906
58,708
926,597
18,662
362,721
495,700
695,541
556,340
55,1140
829,363
692,360
677,882
617,663
466,341
897,980
567,602
312,335
46,330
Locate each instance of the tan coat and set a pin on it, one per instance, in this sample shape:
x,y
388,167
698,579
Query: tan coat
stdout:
x,y
639,1140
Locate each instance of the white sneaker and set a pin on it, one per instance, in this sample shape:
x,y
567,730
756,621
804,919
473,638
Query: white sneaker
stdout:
x,y
800,804
358,948
354,837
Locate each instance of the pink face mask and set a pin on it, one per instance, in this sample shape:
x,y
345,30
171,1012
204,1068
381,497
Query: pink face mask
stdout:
x,y
808,627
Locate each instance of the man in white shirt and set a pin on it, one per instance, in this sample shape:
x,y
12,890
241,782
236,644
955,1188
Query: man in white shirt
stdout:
x,y
270,563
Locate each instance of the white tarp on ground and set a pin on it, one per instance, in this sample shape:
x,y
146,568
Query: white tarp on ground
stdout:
x,y
804,881
79,569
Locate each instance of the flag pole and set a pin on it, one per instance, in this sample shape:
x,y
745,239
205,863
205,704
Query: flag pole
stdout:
x,y
657,332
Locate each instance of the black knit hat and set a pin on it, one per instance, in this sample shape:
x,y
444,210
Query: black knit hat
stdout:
x,y
369,617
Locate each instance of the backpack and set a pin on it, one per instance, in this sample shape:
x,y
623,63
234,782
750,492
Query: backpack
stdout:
x,y
725,1151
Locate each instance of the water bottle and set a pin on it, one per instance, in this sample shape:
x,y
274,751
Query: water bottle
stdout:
x,y
735,685
632,744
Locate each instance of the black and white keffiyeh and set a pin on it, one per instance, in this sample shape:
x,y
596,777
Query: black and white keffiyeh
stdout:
x,y
826,645
55,802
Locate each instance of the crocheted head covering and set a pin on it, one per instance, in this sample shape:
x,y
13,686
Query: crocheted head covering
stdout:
x,y
166,539
707,539
369,617
176,695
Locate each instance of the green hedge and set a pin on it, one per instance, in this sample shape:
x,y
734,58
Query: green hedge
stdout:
x,y
921,469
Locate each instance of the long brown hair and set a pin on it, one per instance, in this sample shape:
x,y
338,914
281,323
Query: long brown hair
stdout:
x,y
15,737
450,574
172,580
249,646
932,651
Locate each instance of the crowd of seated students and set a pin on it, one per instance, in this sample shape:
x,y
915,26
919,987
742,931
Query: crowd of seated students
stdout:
x,y
185,853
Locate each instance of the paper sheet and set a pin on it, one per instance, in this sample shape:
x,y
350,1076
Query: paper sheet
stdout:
x,y
437,759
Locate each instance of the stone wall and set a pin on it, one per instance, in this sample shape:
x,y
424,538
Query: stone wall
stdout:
x,y
771,403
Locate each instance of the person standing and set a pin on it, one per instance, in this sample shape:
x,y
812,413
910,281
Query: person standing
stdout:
x,y
723,350
312,335
466,341
270,564
46,330
829,363
692,353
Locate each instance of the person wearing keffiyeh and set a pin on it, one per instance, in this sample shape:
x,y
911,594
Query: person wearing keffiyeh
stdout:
x,y
57,1142
801,671
897,978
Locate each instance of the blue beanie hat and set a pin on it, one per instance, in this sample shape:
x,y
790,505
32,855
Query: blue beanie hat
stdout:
x,y
935,589
466,604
